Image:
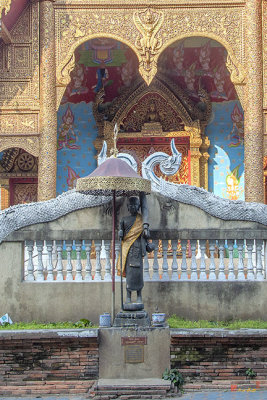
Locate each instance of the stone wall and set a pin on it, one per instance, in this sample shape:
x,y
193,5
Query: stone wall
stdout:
x,y
33,362
67,361
219,358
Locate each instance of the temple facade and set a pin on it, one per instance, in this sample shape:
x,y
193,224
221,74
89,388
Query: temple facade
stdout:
x,y
192,70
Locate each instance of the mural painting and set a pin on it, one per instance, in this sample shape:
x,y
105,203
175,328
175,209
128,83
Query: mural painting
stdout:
x,y
100,63
192,64
196,63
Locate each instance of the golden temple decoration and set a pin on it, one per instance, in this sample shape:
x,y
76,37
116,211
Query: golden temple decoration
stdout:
x,y
5,5
47,168
148,23
253,122
114,151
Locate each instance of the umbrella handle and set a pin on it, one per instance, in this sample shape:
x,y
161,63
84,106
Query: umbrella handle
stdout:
x,y
121,275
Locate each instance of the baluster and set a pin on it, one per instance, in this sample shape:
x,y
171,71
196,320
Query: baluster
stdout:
x,y
240,272
155,276
259,274
30,266
59,267
165,275
212,274
202,274
78,276
193,244
49,268
250,271
107,244
40,266
184,275
69,276
221,275
117,252
231,274
175,276
146,268
88,267
98,244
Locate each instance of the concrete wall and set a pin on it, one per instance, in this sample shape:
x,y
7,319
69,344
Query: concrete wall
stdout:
x,y
169,219
61,301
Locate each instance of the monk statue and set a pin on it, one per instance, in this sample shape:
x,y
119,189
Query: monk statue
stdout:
x,y
134,233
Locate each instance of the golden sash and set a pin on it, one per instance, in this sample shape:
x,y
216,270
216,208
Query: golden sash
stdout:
x,y
133,234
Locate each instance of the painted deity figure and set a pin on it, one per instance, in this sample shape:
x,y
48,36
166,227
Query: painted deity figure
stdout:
x,y
67,137
101,76
134,233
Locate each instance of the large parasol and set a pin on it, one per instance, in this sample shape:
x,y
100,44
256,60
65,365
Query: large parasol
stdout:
x,y
114,177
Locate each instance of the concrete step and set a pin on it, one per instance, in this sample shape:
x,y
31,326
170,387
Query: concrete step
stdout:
x,y
120,392
127,389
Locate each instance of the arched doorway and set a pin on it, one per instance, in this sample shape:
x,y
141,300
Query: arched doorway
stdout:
x,y
102,65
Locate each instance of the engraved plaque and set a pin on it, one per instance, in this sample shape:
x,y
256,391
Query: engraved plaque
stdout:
x,y
134,353
133,340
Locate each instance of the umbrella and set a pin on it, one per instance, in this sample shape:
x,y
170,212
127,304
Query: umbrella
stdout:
x,y
116,178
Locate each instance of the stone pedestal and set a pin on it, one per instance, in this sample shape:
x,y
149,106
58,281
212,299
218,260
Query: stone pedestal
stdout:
x,y
133,353
132,319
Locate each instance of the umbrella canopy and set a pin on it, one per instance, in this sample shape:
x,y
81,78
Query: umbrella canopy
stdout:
x,y
113,174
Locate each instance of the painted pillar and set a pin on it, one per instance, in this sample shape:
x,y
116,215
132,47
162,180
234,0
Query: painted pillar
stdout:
x,y
47,168
5,198
254,190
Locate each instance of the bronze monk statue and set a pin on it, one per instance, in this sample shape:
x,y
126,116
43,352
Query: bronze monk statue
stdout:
x,y
134,233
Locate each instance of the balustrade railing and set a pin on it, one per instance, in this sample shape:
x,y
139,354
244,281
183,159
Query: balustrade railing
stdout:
x,y
172,260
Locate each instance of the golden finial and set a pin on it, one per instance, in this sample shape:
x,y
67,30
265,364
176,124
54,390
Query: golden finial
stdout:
x,y
5,5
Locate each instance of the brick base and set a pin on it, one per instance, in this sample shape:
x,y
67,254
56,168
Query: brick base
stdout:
x,y
45,387
219,359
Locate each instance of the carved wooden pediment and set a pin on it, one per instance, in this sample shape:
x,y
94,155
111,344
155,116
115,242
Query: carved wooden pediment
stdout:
x,y
162,102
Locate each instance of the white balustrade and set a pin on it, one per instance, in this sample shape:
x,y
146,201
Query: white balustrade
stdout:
x,y
98,244
193,276
175,276
88,267
212,267
39,265
30,266
259,268
155,275
59,244
184,274
240,267
78,246
107,244
250,269
165,275
221,274
202,273
231,274
69,276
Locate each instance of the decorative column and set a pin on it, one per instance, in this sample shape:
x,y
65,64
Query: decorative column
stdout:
x,y
254,103
4,198
47,167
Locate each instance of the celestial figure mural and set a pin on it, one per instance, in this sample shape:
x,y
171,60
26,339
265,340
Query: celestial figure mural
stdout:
x,y
67,137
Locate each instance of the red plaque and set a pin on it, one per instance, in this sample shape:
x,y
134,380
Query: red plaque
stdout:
x,y
133,340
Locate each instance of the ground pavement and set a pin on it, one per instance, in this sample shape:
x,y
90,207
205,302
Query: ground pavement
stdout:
x,y
237,395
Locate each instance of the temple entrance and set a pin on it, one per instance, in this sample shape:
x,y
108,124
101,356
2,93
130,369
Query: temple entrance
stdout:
x,y
191,99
